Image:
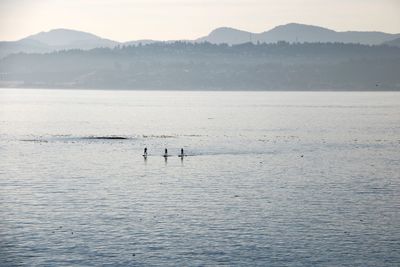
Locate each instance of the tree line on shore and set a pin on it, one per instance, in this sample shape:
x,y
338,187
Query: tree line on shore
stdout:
x,y
206,66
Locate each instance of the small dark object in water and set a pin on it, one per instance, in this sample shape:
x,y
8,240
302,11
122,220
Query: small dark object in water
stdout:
x,y
133,254
182,154
108,138
236,195
302,156
72,233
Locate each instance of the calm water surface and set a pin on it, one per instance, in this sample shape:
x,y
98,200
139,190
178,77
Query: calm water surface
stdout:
x,y
272,179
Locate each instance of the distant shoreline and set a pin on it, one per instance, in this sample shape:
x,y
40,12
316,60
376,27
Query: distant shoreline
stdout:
x,y
197,67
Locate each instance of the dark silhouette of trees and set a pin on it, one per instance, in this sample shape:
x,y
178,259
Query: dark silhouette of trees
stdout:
x,y
184,65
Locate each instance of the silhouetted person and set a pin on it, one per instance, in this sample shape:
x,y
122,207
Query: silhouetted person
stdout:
x,y
182,153
145,151
166,153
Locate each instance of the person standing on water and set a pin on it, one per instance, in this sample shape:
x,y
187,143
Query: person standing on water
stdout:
x,y
182,153
166,153
145,152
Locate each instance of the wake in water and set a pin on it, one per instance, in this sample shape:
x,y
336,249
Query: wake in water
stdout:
x,y
104,137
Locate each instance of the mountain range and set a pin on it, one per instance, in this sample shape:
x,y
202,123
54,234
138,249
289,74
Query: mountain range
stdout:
x,y
66,39
294,33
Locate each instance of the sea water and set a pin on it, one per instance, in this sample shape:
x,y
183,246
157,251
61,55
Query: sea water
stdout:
x,y
270,178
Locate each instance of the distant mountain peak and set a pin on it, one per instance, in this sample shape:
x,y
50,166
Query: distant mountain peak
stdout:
x,y
59,37
226,35
302,27
69,39
222,29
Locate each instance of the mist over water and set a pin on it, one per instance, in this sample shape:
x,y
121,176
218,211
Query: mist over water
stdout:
x,y
271,178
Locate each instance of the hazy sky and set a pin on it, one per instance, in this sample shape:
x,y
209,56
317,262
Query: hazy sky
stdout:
x,y
124,20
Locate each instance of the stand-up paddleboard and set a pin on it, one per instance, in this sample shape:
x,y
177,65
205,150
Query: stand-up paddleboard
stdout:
x,y
182,154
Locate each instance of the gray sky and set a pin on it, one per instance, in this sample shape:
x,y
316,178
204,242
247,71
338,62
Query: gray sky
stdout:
x,y
124,20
